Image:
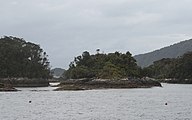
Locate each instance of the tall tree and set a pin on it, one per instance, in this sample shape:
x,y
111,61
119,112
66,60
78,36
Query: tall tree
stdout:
x,y
19,58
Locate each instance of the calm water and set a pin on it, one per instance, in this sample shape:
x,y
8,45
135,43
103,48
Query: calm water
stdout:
x,y
110,104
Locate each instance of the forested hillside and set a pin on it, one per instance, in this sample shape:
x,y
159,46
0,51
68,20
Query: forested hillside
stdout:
x,y
172,51
174,68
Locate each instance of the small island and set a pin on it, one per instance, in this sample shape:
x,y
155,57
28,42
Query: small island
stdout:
x,y
102,71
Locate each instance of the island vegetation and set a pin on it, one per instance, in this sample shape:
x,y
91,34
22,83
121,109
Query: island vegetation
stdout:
x,y
105,66
22,61
97,71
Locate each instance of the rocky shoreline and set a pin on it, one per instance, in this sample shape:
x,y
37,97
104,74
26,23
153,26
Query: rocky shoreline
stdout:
x,y
176,81
6,88
25,82
89,84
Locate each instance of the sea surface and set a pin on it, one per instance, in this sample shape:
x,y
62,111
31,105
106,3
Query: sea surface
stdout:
x,y
104,104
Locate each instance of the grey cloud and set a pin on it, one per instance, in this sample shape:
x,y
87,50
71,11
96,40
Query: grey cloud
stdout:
x,y
66,28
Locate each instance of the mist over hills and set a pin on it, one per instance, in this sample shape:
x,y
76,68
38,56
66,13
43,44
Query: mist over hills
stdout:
x,y
172,51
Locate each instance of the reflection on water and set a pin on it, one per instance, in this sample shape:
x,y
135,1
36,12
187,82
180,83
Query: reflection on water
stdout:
x,y
110,104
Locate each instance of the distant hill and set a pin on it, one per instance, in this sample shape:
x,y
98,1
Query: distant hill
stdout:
x,y
57,72
172,51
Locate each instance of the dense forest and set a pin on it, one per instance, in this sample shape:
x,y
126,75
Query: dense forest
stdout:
x,y
175,68
107,66
19,58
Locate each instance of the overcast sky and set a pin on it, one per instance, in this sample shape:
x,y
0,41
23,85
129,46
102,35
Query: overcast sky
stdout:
x,y
66,28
